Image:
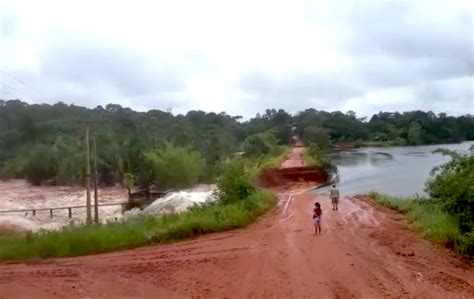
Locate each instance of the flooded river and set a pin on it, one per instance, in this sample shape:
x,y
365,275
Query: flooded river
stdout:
x,y
400,171
19,195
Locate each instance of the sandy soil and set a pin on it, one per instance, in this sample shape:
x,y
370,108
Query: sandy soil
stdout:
x,y
364,252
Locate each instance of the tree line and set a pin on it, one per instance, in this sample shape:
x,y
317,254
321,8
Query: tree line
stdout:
x,y
389,128
44,143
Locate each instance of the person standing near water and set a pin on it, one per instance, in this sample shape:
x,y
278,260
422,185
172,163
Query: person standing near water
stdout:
x,y
334,197
317,213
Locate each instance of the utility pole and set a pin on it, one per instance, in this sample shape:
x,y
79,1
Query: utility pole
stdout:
x,y
96,200
88,180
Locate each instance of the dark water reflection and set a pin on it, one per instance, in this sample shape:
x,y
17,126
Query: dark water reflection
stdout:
x,y
400,171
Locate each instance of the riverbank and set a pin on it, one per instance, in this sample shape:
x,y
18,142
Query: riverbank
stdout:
x,y
382,144
428,219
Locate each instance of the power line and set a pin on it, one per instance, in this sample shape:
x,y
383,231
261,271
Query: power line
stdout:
x,y
13,77
22,83
6,85
16,91
4,92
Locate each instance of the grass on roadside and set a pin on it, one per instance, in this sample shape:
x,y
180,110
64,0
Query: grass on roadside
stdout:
x,y
255,167
312,159
427,217
313,156
207,218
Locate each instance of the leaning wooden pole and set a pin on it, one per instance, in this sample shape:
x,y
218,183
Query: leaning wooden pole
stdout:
x,y
96,198
88,180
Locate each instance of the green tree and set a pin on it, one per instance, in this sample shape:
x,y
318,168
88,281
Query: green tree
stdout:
x,y
69,158
175,167
317,135
415,133
40,165
259,144
234,183
453,184
128,181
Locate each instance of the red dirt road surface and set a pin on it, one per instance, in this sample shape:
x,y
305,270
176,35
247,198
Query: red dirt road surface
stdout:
x,y
295,158
364,252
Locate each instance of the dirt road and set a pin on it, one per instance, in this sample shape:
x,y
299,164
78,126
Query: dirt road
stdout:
x,y
295,158
364,252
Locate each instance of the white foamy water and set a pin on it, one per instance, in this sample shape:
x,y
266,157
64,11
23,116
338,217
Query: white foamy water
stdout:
x,y
177,202
17,195
15,224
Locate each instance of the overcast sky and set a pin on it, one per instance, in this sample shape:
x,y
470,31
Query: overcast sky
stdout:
x,y
241,56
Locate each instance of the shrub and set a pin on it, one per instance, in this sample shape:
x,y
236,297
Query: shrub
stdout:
x,y
316,156
453,184
260,144
11,169
234,183
176,167
39,165
316,135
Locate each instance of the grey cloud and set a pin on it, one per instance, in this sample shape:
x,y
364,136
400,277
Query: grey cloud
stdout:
x,y
299,85
298,90
458,92
415,45
390,72
88,64
403,42
257,82
410,30
412,45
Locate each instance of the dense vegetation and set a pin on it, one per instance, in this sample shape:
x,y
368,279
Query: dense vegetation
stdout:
x,y
44,143
448,216
384,128
314,155
238,203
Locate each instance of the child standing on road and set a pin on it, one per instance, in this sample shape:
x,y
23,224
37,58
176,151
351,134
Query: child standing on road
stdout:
x,y
317,212
334,197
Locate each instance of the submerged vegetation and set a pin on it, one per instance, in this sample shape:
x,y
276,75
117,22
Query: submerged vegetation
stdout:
x,y
447,217
238,204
